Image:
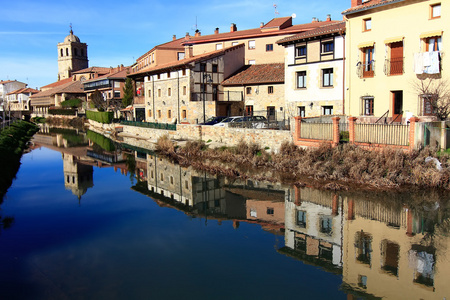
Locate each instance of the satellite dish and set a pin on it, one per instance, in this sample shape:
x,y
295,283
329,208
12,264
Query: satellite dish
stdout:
x,y
294,16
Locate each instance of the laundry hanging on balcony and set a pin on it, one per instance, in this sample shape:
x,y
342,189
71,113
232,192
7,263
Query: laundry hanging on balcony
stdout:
x,y
426,62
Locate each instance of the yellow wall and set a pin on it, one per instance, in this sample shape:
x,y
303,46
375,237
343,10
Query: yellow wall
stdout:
x,y
407,19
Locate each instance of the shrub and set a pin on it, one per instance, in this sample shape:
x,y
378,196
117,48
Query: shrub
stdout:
x,y
73,103
64,112
104,117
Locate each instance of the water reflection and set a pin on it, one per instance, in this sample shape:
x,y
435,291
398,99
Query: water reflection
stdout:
x,y
383,246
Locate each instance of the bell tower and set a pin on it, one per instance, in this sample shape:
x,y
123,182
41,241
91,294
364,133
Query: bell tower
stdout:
x,y
72,56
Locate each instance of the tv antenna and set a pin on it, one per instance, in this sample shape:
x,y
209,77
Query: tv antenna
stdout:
x,y
276,11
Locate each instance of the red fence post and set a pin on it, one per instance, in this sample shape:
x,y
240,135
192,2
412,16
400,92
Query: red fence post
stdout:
x,y
298,121
412,132
351,129
335,131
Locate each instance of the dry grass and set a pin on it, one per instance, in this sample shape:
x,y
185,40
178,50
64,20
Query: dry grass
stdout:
x,y
343,164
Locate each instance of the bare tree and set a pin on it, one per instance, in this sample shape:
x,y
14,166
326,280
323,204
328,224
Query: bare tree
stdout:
x,y
98,100
436,96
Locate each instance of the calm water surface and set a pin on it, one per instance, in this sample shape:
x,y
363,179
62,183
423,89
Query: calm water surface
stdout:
x,y
85,227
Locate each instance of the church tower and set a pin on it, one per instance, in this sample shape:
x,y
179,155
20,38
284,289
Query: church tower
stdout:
x,y
72,56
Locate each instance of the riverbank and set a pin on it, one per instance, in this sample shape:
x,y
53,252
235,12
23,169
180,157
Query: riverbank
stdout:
x,y
13,141
339,168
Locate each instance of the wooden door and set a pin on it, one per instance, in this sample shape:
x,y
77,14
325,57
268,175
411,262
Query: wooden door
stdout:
x,y
396,61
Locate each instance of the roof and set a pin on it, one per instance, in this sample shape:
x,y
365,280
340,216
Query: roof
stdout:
x,y
72,87
9,81
186,61
57,83
259,32
174,44
99,70
114,73
320,31
24,91
368,4
254,74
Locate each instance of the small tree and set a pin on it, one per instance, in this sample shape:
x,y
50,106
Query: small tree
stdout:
x,y
436,95
128,93
98,101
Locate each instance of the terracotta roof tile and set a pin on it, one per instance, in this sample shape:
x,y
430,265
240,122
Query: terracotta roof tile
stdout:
x,y
57,83
186,61
177,44
99,70
255,33
24,91
323,30
116,74
72,87
254,74
368,5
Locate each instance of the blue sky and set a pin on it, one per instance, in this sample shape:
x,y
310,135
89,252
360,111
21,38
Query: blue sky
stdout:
x,y
118,32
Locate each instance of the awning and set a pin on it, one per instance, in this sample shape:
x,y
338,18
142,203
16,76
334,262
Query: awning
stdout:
x,y
366,44
430,34
394,40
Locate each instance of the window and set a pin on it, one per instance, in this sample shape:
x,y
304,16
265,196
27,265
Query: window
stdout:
x,y
149,93
67,51
428,107
215,92
269,47
327,77
184,90
183,114
301,79
183,72
270,211
327,47
214,68
180,55
301,111
367,24
82,52
435,11
300,51
75,51
368,106
270,89
62,52
395,63
249,110
116,94
327,110
149,113
433,43
368,62
251,44
362,281
169,114
158,76
248,90
202,67
326,225
169,92
159,113
301,218
168,74
162,177
219,46
159,92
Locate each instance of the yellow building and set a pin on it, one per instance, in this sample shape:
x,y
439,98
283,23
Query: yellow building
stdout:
x,y
391,46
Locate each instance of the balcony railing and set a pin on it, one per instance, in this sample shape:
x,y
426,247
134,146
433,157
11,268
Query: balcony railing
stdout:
x,y
394,66
365,69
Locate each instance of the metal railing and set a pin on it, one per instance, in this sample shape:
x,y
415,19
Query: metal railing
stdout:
x,y
394,66
382,134
150,125
365,70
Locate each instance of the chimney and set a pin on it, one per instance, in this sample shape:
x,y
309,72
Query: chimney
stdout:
x,y
233,27
261,25
121,67
197,33
174,37
356,2
216,31
188,51
187,36
314,20
328,18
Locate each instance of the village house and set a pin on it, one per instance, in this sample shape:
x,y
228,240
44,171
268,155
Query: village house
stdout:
x,y
260,43
390,47
110,85
8,86
18,100
261,88
189,90
314,71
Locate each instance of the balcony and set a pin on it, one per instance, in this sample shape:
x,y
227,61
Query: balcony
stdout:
x,y
365,69
394,66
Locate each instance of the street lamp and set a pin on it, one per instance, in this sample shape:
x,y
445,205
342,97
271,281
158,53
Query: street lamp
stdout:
x,y
208,79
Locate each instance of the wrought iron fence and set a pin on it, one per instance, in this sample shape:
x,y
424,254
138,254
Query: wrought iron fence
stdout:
x,y
394,66
267,119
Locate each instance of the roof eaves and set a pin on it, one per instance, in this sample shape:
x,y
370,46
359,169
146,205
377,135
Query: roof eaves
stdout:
x,y
368,7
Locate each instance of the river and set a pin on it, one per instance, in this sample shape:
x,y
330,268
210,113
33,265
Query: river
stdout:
x,y
86,218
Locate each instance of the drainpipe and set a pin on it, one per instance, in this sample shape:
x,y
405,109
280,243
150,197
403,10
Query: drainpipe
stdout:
x,y
178,92
343,77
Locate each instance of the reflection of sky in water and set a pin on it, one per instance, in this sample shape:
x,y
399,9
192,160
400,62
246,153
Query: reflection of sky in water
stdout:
x,y
119,244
